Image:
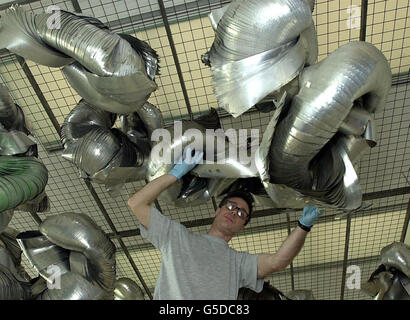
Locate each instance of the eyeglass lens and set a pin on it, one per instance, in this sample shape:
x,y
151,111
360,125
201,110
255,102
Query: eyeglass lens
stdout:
x,y
240,212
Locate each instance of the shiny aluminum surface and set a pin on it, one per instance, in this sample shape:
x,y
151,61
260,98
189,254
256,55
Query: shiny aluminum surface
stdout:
x,y
318,111
206,179
126,93
370,132
43,254
94,150
113,175
73,287
216,15
107,155
11,115
152,118
251,27
397,255
149,55
8,241
107,66
354,146
352,195
387,285
195,194
131,89
77,78
280,196
240,85
356,122
130,163
230,165
259,47
262,156
79,264
18,34
217,186
127,289
82,119
99,50
399,289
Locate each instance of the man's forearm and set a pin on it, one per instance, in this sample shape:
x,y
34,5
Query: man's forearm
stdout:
x,y
150,192
268,263
290,248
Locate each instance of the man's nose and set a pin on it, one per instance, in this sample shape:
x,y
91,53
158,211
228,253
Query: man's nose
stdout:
x,y
234,211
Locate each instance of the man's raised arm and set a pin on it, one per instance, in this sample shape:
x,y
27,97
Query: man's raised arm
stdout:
x,y
269,263
140,203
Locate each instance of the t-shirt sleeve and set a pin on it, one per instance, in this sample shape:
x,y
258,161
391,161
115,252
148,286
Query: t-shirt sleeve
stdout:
x,y
249,272
159,230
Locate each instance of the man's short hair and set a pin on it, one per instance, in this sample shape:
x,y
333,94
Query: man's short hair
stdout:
x,y
243,195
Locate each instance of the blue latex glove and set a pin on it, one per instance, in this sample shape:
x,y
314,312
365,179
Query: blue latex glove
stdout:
x,y
186,164
309,216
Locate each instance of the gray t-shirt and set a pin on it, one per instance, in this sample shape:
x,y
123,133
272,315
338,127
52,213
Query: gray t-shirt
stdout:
x,y
198,267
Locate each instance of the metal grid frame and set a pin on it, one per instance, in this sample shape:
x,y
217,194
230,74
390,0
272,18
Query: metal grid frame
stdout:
x,y
180,32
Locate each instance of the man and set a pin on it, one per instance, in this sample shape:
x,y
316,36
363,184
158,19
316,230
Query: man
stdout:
x,y
204,266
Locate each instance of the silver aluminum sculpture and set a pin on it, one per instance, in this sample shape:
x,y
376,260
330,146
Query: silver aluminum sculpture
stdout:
x,y
324,113
70,242
102,66
22,187
312,149
105,155
264,55
73,255
75,260
114,73
391,280
259,46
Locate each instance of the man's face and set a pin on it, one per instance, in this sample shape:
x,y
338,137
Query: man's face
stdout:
x,y
229,220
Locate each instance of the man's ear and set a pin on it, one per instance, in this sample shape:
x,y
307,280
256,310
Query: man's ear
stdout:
x,y
217,211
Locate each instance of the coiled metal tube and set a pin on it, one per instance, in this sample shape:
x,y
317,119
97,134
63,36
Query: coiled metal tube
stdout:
x,y
77,232
259,47
328,91
99,50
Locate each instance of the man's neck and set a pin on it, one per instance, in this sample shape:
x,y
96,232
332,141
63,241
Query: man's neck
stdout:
x,y
218,234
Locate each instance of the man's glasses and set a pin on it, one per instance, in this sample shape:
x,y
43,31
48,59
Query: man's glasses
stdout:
x,y
241,213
